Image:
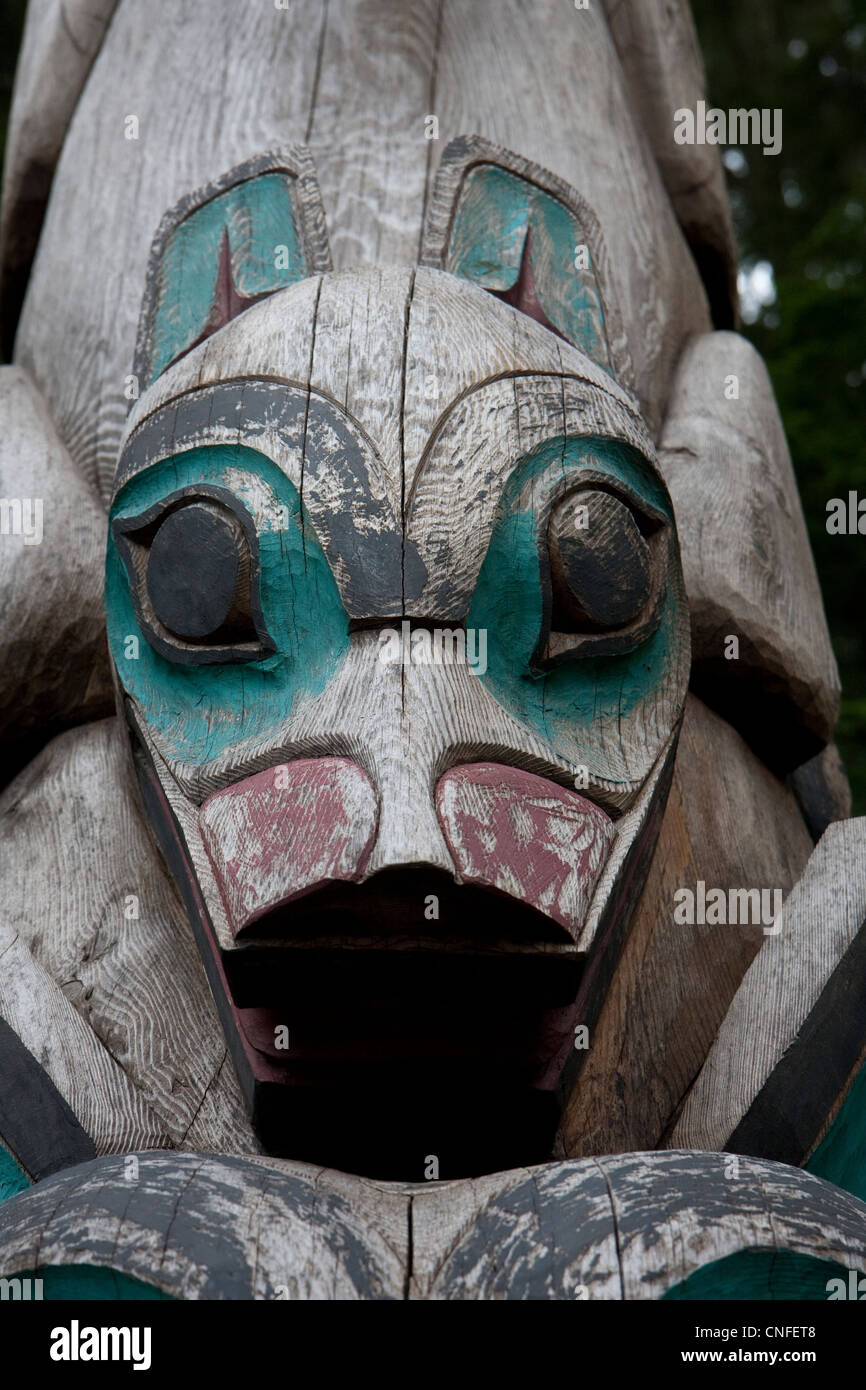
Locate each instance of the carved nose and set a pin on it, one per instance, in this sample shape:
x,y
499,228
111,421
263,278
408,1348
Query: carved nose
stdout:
x,y
525,836
280,833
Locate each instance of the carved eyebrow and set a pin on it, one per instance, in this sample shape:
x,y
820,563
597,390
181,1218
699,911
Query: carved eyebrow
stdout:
x,y
296,430
256,230
527,237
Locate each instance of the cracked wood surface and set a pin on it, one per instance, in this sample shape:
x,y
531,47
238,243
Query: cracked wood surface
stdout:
x,y
71,831
630,1227
355,86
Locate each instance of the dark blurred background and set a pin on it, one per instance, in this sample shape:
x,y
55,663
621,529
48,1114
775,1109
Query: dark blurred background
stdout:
x,y
801,228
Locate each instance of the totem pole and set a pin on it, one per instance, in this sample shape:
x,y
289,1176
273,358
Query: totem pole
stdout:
x,y
441,883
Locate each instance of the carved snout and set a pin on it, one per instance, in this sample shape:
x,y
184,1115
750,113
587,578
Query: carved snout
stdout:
x,y
280,834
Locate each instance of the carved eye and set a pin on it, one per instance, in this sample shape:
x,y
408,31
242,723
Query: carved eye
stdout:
x,y
607,576
192,564
599,563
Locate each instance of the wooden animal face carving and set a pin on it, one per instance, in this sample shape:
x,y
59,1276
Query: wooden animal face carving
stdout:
x,y
395,606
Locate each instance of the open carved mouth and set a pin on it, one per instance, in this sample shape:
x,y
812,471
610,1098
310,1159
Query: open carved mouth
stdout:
x,y
368,1036
411,1035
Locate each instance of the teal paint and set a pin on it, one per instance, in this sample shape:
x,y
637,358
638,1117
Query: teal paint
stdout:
x,y
92,1284
490,228
496,210
765,1276
200,711
569,705
841,1155
13,1179
259,217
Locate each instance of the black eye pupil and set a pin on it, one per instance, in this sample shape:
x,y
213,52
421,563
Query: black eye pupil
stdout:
x,y
193,570
600,563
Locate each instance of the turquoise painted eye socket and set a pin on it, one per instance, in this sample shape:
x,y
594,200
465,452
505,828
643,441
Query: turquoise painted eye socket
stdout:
x,y
193,569
197,710
604,687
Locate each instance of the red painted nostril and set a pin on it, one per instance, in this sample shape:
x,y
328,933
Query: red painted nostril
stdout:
x,y
276,835
524,835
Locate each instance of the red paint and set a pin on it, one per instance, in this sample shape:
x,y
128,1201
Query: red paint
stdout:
x,y
228,302
523,294
280,833
526,836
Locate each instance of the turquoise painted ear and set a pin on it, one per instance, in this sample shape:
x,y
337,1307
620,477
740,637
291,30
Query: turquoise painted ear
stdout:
x,y
255,231
527,237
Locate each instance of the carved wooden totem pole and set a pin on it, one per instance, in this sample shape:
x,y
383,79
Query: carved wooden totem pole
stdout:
x,y
460,902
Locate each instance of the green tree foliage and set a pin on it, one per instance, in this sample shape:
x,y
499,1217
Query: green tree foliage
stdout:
x,y
804,212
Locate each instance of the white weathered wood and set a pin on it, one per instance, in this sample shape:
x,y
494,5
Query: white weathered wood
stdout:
x,y
732,824
375,86
628,1227
402,724
53,657
91,1081
60,41
664,72
523,81
358,336
201,1226
77,331
458,160
618,1228
531,79
748,567
77,862
784,984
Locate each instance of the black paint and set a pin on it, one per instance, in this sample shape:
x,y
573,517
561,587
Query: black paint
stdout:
x,y
192,571
36,1124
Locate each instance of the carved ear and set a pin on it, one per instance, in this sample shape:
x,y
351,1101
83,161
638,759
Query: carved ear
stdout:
x,y
254,231
529,238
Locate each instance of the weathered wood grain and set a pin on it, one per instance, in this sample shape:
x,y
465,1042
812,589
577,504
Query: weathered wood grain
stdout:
x,y
112,1113
376,83
290,207
405,726
795,1027
60,41
747,564
373,167
86,893
205,1227
200,1226
398,350
520,834
278,833
661,60
78,334
53,657
36,1124
468,153
530,79
627,1227
732,824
